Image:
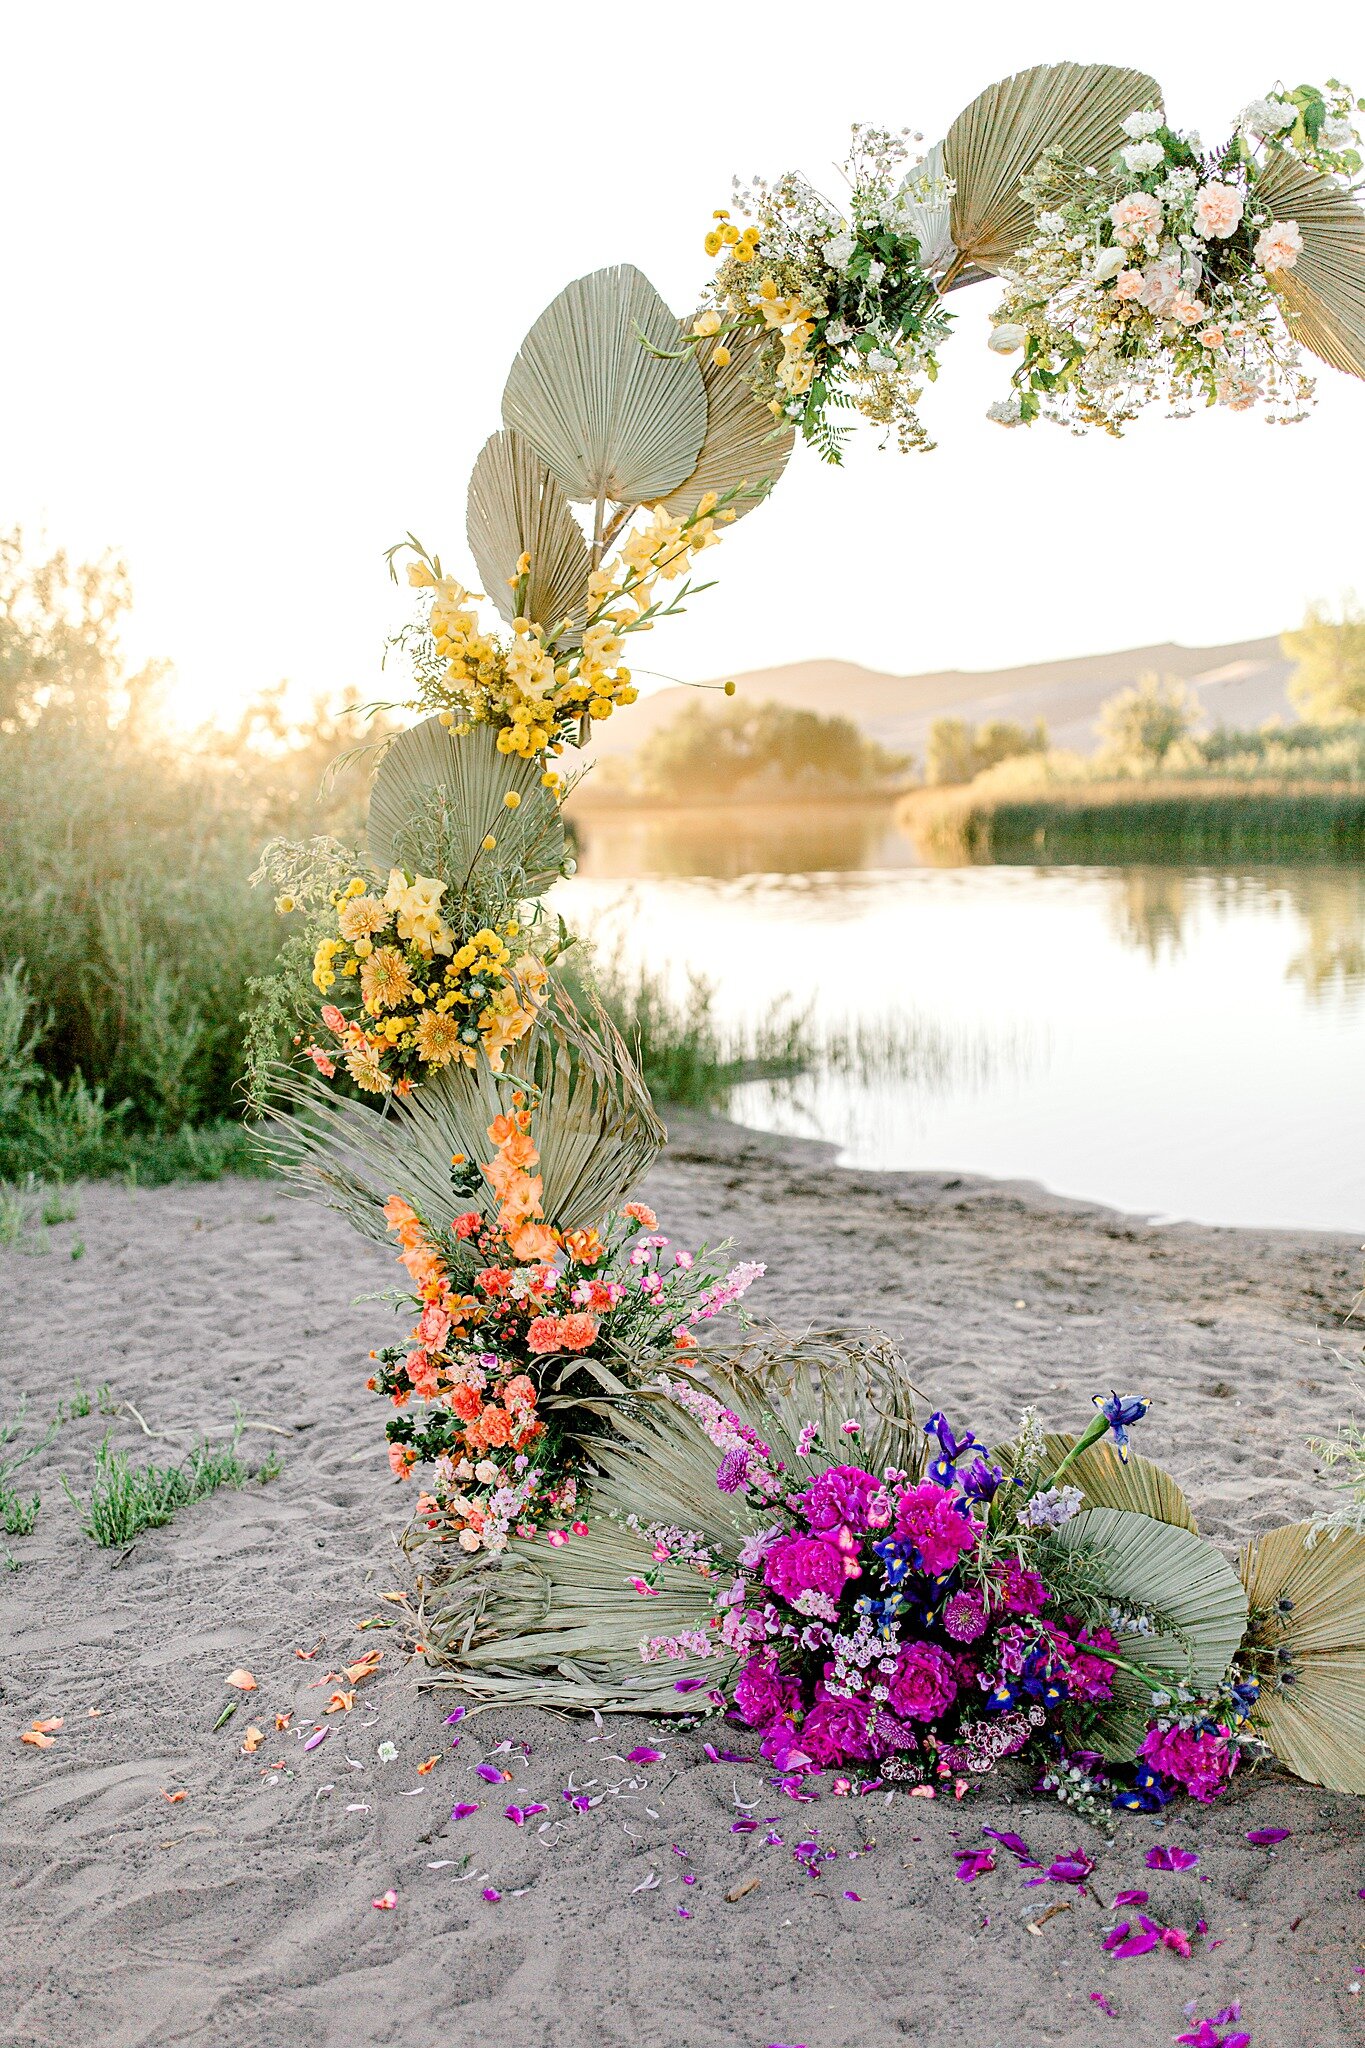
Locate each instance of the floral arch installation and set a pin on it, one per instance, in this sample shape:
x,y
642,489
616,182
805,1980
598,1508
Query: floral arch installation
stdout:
x,y
611,1513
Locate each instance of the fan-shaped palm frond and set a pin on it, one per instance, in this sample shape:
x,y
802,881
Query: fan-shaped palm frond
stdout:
x,y
516,507
1178,1576
996,141
437,795
612,419
925,216
1106,1482
742,445
593,1124
563,1627
1306,1645
1323,296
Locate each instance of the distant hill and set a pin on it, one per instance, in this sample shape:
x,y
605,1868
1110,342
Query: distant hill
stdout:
x,y
1242,684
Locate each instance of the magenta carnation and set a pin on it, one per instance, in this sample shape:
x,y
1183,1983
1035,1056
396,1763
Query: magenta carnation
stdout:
x,y
835,1730
928,1517
803,1564
1088,1678
924,1684
1201,1761
1018,1590
840,1496
763,1695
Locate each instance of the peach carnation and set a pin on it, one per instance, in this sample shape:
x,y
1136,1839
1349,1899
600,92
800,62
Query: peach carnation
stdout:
x,y
578,1332
1136,218
1217,210
543,1335
641,1213
1278,246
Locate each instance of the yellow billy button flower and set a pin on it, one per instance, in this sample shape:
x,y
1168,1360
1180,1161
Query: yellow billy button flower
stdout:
x,y
511,800
720,357
284,904
447,719
729,689
489,843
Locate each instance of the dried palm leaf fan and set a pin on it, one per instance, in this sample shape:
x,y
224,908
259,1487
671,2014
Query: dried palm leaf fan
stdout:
x,y
1106,1481
437,795
516,507
1306,1645
1323,296
617,422
593,1124
995,142
1188,1585
742,445
563,1627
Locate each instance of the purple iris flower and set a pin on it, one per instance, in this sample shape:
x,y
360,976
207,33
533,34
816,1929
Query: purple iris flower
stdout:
x,y
981,1481
943,1470
1120,1415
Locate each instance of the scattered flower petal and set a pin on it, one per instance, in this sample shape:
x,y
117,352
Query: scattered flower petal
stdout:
x,y
1262,1838
386,1902
1163,1857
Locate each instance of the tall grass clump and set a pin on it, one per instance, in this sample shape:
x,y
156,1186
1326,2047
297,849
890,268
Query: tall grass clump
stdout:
x,y
125,1498
128,931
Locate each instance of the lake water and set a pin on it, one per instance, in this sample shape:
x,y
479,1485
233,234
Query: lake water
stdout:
x,y
1177,1042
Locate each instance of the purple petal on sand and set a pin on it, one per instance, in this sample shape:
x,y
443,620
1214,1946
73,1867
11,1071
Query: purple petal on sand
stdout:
x,y
744,1827
491,1895
464,1809
1164,1858
582,1804
1123,1942
458,1715
683,1913
1130,1899
1015,1844
644,1755
1073,1868
974,1863
516,1816
490,1774
529,1810
854,1896
318,1735
1262,1838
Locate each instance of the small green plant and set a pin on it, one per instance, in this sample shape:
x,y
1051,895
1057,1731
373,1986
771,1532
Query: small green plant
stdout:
x,y
105,1398
77,1249
58,1207
12,1563
80,1400
17,1516
270,1469
125,1498
16,1207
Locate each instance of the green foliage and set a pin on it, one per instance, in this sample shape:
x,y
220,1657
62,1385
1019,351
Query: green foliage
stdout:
x,y
1328,682
124,860
747,749
17,1515
687,1060
956,753
1139,726
125,1498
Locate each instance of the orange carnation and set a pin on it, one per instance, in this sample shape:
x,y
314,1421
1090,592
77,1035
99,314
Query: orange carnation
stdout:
x,y
641,1213
494,1426
402,1459
544,1334
578,1331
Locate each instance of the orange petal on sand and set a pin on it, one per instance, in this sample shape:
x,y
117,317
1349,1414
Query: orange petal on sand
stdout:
x,y
400,1598
340,1703
171,1798
307,1655
429,1765
50,1726
254,1738
387,1903
364,1667
283,1720
243,1681
37,1738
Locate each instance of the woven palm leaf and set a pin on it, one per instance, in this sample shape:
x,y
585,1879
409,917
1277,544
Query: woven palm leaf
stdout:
x,y
593,1124
1147,1564
997,140
613,420
1323,296
437,795
1310,1660
563,1627
515,507
742,445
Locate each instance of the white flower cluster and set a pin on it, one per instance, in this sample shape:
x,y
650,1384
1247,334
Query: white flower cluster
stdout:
x,y
1154,281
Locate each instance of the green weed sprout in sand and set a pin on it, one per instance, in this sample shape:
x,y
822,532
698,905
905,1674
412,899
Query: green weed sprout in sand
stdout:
x,y
125,1498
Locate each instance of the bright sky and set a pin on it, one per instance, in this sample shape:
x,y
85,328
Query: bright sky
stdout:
x,y
266,268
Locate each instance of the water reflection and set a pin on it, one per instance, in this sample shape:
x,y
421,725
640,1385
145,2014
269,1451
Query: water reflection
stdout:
x,y
1180,1041
726,842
